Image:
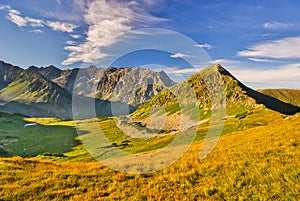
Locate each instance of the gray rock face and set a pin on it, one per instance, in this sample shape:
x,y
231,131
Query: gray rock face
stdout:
x,y
49,91
129,85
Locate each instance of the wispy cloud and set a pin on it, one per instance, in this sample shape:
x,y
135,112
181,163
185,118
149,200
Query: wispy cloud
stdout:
x,y
181,72
228,63
282,74
34,22
278,25
15,17
4,7
286,48
205,45
106,20
179,55
61,26
70,42
36,31
75,36
260,60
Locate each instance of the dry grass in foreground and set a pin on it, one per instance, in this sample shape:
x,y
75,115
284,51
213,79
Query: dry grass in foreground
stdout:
x,y
261,163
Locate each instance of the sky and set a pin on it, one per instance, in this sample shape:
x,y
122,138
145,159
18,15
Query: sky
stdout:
x,y
257,41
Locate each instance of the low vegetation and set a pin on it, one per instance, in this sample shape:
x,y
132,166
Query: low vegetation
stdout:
x,y
20,138
259,163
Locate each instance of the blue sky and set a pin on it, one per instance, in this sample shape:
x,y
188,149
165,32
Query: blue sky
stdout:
x,y
257,41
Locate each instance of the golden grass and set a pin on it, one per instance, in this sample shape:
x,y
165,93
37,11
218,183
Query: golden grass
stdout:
x,y
260,163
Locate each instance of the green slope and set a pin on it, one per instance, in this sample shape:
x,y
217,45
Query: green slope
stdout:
x,y
240,99
30,93
18,137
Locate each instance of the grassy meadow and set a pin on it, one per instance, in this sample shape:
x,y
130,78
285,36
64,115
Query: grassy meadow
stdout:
x,y
257,158
18,138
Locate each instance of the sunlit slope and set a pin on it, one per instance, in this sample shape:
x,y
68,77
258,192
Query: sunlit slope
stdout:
x,y
291,96
239,98
260,163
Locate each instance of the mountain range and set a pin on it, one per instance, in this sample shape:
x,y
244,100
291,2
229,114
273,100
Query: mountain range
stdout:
x,y
48,91
129,85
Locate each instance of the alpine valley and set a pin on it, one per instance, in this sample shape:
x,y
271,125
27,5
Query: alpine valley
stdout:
x,y
44,157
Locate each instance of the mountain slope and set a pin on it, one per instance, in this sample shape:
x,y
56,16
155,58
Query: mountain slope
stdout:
x,y
260,163
130,85
8,73
50,72
32,94
239,98
291,96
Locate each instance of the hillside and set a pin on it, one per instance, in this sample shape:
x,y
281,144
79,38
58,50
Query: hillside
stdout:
x,y
240,99
260,163
291,96
30,93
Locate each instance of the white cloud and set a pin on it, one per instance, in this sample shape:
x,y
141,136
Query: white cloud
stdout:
x,y
228,63
277,25
282,74
70,42
205,45
182,72
260,60
36,31
178,55
286,48
61,26
106,20
75,36
15,17
4,7
34,22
